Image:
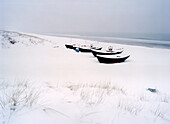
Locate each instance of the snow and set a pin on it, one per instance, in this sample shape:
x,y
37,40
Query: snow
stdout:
x,y
74,88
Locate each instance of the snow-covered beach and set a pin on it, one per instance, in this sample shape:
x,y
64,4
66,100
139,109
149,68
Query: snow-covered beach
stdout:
x,y
74,88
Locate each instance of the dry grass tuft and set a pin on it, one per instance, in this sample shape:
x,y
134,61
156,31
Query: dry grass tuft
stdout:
x,y
16,96
131,106
95,93
160,112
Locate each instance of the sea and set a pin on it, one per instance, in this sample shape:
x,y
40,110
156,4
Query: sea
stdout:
x,y
138,39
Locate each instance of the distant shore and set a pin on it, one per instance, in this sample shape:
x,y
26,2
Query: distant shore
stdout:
x,y
126,41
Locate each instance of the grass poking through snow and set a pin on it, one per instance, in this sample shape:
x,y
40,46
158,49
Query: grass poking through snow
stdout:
x,y
14,96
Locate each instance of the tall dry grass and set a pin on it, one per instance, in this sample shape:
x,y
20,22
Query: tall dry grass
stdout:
x,y
14,96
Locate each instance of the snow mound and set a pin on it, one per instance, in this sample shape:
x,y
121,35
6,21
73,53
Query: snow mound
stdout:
x,y
8,39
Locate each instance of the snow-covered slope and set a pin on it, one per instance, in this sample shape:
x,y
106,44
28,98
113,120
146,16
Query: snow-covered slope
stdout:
x,y
8,39
47,83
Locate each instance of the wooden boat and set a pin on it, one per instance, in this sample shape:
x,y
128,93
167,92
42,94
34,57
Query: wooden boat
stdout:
x,y
89,49
96,48
71,46
106,52
112,58
82,48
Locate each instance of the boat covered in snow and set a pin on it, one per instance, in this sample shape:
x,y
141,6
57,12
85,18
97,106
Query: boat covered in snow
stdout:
x,y
71,46
106,52
112,58
88,48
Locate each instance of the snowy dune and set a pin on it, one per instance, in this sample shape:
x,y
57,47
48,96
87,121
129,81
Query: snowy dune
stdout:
x,y
74,88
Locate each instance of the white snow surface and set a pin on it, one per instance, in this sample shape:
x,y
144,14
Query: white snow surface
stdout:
x,y
41,81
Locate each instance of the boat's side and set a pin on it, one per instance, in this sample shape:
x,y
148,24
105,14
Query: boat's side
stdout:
x,y
84,49
81,49
96,48
69,46
95,53
111,60
74,47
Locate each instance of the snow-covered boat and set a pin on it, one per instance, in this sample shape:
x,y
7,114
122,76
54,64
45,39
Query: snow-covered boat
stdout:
x,y
106,52
82,48
87,48
112,58
71,46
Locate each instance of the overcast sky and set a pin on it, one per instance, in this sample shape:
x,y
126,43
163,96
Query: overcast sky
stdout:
x,y
73,16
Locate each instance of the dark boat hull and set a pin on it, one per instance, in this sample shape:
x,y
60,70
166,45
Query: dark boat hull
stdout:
x,y
89,50
111,60
95,53
84,50
69,46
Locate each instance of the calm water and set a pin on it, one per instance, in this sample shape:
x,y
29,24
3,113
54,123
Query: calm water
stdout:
x,y
149,40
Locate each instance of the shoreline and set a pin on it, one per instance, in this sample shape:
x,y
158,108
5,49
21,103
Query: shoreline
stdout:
x,y
123,41
149,43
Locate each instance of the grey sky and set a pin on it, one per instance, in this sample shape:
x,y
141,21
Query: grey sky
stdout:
x,y
72,16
